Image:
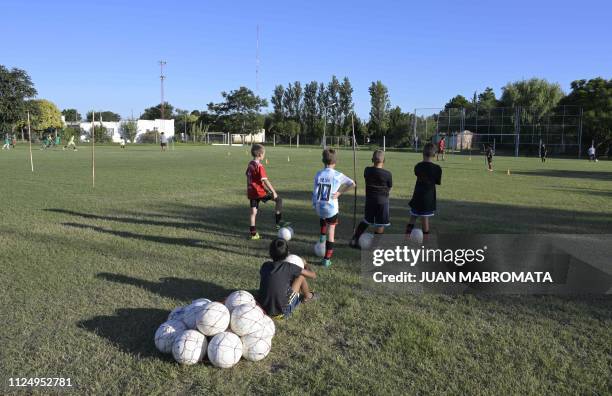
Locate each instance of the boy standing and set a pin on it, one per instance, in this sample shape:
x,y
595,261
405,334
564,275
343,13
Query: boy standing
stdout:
x,y
7,143
71,144
259,189
489,154
441,148
282,285
378,184
423,202
543,152
122,142
329,184
591,153
163,141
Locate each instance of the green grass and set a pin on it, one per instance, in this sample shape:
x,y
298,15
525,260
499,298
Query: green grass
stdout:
x,y
87,275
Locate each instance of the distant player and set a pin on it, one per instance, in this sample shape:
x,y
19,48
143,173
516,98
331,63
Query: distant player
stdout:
x,y
441,148
329,184
71,144
489,155
378,183
259,189
591,152
122,142
13,141
543,152
423,202
163,140
282,285
7,142
58,140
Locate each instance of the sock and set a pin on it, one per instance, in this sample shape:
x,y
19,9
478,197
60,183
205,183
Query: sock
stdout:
x,y
323,230
409,228
278,217
360,230
253,230
329,249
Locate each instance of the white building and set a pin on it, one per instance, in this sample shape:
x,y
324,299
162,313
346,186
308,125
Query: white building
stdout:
x,y
142,126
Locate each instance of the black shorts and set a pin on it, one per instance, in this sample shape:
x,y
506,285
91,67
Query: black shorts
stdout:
x,y
330,220
264,199
164,144
377,214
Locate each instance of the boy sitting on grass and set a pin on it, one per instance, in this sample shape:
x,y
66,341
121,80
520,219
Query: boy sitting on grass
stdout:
x,y
282,285
259,189
378,184
423,202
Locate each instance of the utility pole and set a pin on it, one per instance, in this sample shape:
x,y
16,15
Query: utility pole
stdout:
x,y
257,64
162,63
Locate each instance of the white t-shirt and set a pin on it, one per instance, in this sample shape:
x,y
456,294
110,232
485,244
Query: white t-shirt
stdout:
x,y
326,183
591,150
163,139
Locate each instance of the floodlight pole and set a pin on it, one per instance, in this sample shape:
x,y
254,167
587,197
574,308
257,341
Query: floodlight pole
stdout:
x,y
325,123
161,78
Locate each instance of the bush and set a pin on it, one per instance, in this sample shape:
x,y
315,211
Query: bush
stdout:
x,y
148,137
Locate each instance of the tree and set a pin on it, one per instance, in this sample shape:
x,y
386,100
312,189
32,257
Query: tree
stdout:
x,y
310,108
379,110
333,110
104,116
537,95
399,133
322,100
277,103
70,131
44,115
128,130
595,98
458,101
100,132
239,110
15,87
183,121
486,99
345,104
154,113
71,115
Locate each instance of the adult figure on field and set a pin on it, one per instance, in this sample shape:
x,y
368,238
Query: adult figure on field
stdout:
x,y
163,139
441,148
592,156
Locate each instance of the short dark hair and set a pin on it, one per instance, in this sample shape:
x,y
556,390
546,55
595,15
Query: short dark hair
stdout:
x,y
429,150
257,150
329,156
378,156
279,250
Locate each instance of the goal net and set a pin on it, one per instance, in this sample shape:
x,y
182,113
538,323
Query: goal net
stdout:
x,y
217,138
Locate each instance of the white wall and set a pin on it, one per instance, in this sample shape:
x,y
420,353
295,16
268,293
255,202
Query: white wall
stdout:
x,y
114,128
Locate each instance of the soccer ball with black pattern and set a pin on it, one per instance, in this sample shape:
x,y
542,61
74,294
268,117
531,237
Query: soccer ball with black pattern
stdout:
x,y
239,297
166,334
213,319
225,349
189,347
246,319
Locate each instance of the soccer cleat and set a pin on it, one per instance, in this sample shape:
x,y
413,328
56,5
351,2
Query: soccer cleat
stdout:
x,y
282,224
254,237
322,238
326,262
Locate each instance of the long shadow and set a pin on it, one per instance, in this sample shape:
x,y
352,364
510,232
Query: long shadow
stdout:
x,y
130,329
176,288
587,191
569,174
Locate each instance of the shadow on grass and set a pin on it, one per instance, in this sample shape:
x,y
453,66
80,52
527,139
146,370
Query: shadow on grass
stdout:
x,y
176,288
130,329
569,174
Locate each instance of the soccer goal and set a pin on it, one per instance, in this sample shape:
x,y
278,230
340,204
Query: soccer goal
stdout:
x,y
218,138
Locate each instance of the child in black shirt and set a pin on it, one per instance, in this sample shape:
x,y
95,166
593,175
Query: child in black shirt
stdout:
x,y
283,285
423,202
378,184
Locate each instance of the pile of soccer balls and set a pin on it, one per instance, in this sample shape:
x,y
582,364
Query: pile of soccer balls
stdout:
x,y
238,328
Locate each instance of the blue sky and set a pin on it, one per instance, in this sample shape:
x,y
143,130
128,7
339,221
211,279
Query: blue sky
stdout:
x,y
104,54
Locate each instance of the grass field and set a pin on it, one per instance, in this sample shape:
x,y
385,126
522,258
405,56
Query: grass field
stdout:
x,y
87,275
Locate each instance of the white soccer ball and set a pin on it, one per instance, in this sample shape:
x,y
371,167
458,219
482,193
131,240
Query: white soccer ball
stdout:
x,y
200,301
295,259
213,319
365,240
267,328
246,319
166,335
285,233
319,249
239,297
192,312
255,348
416,235
189,347
225,349
178,313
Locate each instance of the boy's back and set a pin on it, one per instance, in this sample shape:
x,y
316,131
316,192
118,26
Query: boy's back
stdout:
x,y
255,174
378,183
424,197
275,285
326,183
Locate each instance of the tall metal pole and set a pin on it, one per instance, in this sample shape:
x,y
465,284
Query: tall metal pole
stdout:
x,y
257,63
161,78
93,148
415,130
30,139
354,173
580,135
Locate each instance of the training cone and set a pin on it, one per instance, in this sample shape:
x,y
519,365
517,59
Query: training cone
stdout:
x,y
266,161
508,172
288,160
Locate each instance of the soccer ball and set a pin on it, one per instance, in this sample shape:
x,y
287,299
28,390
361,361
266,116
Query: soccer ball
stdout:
x,y
213,319
365,240
239,297
319,249
285,233
225,349
255,348
166,335
294,259
267,328
189,347
200,301
246,319
178,313
416,235
192,313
